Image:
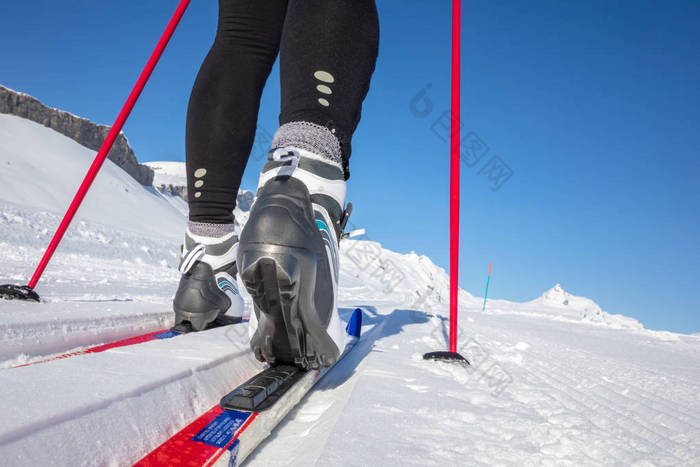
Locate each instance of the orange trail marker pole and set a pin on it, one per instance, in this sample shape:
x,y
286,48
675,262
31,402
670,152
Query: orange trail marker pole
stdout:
x,y
487,287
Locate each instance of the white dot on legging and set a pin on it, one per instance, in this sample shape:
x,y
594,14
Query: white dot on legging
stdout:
x,y
324,89
199,173
323,102
324,76
198,183
198,194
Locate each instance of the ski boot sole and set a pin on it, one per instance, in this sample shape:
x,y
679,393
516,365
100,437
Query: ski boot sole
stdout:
x,y
197,321
289,329
185,325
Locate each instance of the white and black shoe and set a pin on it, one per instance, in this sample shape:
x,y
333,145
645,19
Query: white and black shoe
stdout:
x,y
288,258
208,292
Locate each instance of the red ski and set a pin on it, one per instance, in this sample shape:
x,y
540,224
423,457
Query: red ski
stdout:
x,y
227,433
163,334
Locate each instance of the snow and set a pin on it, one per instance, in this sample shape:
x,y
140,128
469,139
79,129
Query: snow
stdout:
x,y
556,380
183,373
168,173
42,169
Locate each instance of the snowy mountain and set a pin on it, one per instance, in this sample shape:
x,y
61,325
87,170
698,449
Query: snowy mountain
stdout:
x,y
560,303
558,297
42,169
553,381
80,130
168,173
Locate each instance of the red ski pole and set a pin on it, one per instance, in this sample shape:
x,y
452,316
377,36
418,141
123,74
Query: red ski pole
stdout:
x,y
28,292
454,175
454,191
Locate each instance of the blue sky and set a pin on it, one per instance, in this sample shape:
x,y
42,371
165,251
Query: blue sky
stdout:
x,y
594,106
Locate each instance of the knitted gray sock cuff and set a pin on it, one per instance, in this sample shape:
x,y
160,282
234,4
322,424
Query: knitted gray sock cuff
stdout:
x,y
209,230
310,137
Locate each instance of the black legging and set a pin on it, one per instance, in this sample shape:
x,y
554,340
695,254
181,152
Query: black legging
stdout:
x,y
339,37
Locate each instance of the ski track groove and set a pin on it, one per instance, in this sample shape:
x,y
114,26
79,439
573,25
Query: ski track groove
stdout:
x,y
675,380
655,372
632,426
87,333
601,420
635,403
657,399
642,400
627,365
669,405
599,411
644,432
560,394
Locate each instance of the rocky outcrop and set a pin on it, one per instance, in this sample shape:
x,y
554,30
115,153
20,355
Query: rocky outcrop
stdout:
x,y
83,131
244,200
173,190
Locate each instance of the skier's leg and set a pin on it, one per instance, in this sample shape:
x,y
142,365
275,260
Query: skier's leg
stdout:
x,y
223,107
221,123
327,57
288,254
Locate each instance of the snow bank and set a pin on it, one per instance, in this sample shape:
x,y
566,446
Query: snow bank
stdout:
x,y
43,169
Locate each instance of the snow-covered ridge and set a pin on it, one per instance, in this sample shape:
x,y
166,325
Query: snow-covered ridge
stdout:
x,y
42,169
168,173
558,297
558,301
81,130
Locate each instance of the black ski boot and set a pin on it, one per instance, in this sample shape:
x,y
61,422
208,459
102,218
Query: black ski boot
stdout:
x,y
288,257
208,290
